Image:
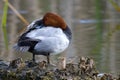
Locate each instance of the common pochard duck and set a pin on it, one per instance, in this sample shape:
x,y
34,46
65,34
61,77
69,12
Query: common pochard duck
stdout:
x,y
46,36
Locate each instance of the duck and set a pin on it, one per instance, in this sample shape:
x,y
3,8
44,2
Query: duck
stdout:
x,y
46,36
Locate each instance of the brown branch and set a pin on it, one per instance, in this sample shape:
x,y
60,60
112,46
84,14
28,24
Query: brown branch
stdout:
x,y
17,13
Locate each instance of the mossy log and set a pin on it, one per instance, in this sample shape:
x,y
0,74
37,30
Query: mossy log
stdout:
x,y
84,69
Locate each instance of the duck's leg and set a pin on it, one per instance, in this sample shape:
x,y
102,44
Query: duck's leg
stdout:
x,y
33,57
48,58
49,64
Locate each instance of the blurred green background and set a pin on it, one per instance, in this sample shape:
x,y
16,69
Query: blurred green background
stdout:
x,y
95,25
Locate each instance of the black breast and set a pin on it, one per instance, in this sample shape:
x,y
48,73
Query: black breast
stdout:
x,y
68,33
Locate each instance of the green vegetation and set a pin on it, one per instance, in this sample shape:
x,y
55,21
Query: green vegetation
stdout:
x,y
4,20
98,17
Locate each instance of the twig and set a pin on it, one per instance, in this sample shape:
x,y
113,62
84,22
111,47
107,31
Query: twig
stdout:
x,y
17,13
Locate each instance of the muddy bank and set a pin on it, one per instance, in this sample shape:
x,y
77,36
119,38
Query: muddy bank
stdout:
x,y
84,69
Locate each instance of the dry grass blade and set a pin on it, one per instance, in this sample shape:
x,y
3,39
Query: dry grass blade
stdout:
x,y
115,5
17,13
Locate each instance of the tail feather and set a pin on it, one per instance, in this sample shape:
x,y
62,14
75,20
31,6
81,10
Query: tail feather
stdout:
x,y
25,45
21,48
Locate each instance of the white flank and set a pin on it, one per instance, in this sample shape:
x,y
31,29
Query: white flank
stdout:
x,y
52,39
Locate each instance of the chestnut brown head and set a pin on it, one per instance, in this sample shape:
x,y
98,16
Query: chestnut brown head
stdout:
x,y
51,19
